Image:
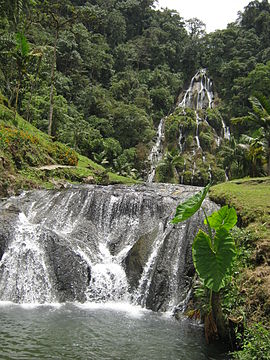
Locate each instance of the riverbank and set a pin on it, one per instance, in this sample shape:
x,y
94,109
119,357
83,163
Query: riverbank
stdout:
x,y
247,300
30,159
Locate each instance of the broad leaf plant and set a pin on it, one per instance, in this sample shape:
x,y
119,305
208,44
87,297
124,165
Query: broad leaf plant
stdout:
x,y
213,251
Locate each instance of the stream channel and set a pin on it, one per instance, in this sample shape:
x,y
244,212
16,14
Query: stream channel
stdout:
x,y
99,332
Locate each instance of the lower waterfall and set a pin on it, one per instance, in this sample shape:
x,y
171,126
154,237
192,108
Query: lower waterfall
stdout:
x,y
97,244
82,268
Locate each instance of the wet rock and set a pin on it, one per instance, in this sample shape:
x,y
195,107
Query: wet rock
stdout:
x,y
137,257
70,273
73,234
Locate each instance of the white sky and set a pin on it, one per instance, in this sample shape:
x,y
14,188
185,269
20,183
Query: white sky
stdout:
x,y
216,14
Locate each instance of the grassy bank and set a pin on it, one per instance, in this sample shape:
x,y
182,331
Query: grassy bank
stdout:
x,y
24,150
247,300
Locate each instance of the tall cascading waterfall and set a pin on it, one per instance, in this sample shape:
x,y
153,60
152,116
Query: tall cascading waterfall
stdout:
x,y
198,96
157,151
97,244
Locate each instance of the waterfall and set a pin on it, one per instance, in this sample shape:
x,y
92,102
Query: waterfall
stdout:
x,y
97,244
24,273
182,175
180,141
226,131
210,173
156,153
199,95
193,172
198,119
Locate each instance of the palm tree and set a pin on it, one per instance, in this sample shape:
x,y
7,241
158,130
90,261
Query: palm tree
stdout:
x,y
255,152
261,117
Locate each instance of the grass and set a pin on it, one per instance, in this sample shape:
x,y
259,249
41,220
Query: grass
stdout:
x,y
24,148
251,199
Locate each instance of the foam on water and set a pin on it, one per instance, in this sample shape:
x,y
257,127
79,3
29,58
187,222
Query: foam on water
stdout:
x,y
122,307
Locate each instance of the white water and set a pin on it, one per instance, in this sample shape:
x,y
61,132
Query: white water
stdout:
x,y
156,152
210,173
95,229
182,175
108,279
226,131
23,267
199,95
181,145
146,278
198,119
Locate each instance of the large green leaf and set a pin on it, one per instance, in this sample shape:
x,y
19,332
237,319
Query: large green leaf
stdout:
x,y
22,44
225,217
190,206
213,262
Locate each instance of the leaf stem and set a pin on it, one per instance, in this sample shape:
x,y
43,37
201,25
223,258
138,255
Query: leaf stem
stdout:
x,y
209,227
210,300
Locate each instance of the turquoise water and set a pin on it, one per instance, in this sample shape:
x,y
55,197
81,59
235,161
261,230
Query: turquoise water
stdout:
x,y
98,332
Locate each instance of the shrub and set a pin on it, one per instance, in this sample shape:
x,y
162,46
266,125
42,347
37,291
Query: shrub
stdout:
x,y
62,154
256,344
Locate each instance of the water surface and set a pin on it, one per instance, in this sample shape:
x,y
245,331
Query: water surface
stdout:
x,y
98,332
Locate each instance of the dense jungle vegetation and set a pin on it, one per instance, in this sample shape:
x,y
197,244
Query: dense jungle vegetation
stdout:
x,y
99,75
95,77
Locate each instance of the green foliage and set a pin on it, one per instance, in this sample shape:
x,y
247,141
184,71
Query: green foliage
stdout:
x,y
164,172
213,257
28,149
63,154
22,47
119,68
189,207
256,344
226,217
214,119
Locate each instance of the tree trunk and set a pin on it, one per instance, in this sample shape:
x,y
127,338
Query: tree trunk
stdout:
x,y
268,163
52,83
33,85
218,316
17,97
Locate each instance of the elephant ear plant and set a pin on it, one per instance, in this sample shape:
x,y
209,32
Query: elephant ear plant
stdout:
x,y
213,253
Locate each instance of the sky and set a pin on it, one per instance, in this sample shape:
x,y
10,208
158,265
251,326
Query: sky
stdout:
x,y
216,14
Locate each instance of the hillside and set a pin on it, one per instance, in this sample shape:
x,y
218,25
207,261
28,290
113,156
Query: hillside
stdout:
x,y
89,88
25,150
251,199
247,299
100,75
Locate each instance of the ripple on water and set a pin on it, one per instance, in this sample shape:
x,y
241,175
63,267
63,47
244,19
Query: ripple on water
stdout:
x,y
98,332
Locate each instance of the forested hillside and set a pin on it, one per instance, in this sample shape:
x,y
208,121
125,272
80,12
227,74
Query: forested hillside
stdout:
x,y
99,75
86,86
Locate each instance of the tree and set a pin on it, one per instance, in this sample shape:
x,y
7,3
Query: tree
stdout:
x,y
22,56
196,28
212,252
260,117
54,11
